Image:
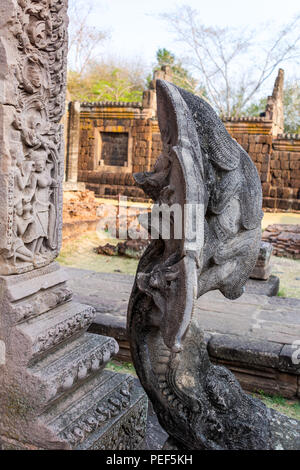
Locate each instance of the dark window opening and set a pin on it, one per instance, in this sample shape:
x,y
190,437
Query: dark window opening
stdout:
x,y
114,148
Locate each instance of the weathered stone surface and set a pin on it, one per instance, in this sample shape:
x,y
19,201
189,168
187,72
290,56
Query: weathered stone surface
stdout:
x,y
76,361
32,147
50,367
242,349
132,248
285,432
289,359
254,378
199,404
263,268
108,249
57,366
156,435
109,412
71,164
79,206
242,323
129,248
90,418
269,287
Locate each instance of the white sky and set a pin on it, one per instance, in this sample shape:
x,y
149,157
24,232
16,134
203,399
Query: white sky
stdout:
x,y
136,30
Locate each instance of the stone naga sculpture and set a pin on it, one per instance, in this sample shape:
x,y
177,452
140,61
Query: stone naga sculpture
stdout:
x,y
209,176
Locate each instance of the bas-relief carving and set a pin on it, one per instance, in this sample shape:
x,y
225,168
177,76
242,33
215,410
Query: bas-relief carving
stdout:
x,y
127,434
61,364
100,414
90,363
40,303
35,150
200,405
61,331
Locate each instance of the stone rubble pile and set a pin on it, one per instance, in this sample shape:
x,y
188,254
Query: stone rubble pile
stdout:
x,y
285,239
79,205
129,248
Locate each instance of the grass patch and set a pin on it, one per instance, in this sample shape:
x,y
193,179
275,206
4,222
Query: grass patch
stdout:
x,y
288,407
80,254
121,367
282,292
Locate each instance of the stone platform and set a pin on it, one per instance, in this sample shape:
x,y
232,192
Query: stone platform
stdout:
x,y
253,336
57,394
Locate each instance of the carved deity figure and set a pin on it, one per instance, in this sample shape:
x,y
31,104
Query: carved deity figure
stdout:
x,y
22,216
33,212
30,231
200,405
38,192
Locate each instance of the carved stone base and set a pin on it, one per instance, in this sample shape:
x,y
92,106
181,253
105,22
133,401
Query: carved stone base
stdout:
x,y
54,394
108,414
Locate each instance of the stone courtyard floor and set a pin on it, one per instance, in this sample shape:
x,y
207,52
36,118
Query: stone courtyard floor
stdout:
x,y
79,254
252,336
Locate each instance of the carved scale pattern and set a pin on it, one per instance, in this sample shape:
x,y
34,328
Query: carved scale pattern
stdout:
x,y
200,405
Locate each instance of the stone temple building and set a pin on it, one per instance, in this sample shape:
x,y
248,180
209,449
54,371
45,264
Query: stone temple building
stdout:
x,y
107,142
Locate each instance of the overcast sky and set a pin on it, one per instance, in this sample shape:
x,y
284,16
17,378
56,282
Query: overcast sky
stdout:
x,y
137,31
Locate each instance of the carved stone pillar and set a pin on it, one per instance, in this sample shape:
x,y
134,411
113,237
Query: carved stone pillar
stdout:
x,y
71,177
52,394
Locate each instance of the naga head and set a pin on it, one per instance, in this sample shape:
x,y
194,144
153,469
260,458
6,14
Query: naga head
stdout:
x,y
212,179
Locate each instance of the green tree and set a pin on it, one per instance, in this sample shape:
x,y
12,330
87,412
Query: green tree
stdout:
x,y
291,103
180,75
108,81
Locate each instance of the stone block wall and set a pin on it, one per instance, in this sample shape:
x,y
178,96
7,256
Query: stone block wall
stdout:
x,y
96,119
254,135
276,155
283,191
277,159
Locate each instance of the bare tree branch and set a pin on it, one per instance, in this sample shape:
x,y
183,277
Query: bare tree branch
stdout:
x,y
84,39
220,56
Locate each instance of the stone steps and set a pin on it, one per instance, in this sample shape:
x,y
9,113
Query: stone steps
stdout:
x,y
72,364
98,411
40,335
54,372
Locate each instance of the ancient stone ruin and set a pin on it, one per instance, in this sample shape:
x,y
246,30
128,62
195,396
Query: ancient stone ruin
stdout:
x,y
54,393
285,239
199,404
91,125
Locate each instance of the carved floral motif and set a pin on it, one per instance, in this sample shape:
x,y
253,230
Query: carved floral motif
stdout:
x,y
89,363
